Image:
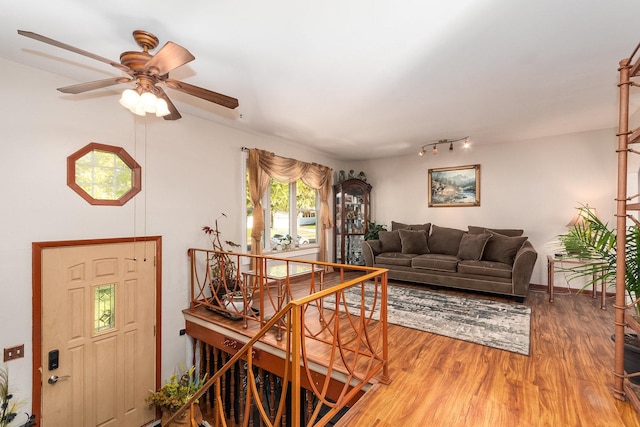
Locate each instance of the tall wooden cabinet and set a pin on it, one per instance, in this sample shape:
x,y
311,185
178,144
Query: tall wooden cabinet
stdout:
x,y
351,208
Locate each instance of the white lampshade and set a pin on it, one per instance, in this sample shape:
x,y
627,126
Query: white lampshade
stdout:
x,y
139,110
148,101
129,98
162,109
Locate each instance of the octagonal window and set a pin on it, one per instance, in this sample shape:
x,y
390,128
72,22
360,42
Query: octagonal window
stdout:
x,y
103,174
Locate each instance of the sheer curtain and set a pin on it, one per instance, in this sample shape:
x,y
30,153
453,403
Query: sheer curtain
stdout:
x,y
264,165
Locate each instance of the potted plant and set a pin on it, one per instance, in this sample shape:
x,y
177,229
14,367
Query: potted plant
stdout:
x,y
592,240
373,230
174,394
9,408
222,268
286,242
235,301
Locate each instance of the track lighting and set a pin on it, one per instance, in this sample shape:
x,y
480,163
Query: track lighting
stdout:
x,y
434,149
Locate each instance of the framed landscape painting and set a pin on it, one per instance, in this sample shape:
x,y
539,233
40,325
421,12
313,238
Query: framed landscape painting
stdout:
x,y
455,186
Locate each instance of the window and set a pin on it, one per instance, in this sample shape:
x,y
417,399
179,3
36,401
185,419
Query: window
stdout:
x,y
103,174
293,210
104,304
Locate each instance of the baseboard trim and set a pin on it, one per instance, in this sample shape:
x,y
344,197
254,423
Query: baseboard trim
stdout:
x,y
565,290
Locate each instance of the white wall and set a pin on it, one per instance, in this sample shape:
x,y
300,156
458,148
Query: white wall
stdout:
x,y
190,175
533,185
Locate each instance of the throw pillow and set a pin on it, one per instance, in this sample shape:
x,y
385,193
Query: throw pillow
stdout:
x,y
511,232
390,241
501,248
414,241
472,246
445,240
400,226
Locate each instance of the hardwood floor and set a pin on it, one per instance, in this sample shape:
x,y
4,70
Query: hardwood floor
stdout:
x,y
566,380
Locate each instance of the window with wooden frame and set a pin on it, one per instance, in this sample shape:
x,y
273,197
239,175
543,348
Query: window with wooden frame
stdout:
x,y
104,174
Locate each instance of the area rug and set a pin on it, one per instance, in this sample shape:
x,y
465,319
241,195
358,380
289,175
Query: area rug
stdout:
x,y
495,324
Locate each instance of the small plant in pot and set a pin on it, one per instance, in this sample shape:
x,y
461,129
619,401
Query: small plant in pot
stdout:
x,y
235,301
222,267
592,240
177,391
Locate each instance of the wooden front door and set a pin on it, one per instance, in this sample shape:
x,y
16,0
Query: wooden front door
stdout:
x,y
98,345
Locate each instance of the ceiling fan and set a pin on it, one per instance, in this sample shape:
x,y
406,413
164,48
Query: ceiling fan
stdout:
x,y
146,71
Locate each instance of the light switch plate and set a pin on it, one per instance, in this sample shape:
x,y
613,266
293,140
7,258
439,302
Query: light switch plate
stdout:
x,y
15,352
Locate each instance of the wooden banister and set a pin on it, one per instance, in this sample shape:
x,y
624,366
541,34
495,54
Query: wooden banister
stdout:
x,y
297,328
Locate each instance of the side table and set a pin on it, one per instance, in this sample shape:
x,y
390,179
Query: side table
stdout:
x,y
552,260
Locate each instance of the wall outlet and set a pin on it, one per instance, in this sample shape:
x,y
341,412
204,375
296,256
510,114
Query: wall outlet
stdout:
x,y
15,352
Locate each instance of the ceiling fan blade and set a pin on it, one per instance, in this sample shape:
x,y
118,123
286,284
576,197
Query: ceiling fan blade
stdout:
x,y
175,115
217,98
73,49
98,84
170,56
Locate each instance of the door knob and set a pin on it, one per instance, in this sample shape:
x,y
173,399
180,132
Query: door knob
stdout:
x,y
54,378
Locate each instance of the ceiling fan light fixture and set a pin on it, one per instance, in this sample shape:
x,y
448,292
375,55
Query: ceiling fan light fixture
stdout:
x,y
145,70
129,98
141,104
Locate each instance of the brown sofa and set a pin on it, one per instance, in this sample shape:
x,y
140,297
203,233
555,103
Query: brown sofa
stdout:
x,y
499,261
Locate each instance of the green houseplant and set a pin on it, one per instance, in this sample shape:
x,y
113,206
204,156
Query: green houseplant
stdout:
x,y
373,230
592,240
175,393
8,410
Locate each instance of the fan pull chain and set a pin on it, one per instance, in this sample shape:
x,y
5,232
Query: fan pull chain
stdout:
x,y
135,203
145,185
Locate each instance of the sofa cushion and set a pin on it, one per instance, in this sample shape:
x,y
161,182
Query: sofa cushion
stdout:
x,y
390,241
501,248
444,240
511,232
394,258
472,246
414,241
400,226
485,268
433,261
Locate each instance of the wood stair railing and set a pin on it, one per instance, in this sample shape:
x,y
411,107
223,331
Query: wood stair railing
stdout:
x,y
321,354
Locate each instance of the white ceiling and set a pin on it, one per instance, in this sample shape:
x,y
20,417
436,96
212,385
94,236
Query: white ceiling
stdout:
x,y
359,79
